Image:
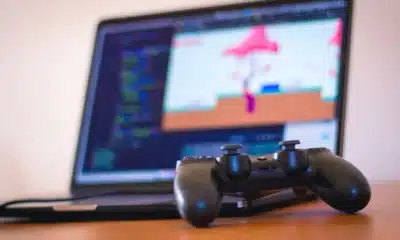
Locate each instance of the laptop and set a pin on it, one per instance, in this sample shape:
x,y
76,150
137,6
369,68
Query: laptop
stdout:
x,y
182,83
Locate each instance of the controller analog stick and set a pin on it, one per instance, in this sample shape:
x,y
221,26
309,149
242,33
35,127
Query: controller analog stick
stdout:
x,y
289,145
237,166
293,161
231,148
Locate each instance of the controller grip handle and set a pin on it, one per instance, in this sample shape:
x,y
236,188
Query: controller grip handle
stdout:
x,y
338,182
196,192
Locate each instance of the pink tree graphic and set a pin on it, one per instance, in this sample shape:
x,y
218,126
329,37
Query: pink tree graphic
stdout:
x,y
336,41
256,41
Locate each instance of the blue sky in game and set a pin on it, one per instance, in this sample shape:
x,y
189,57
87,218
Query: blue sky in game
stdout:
x,y
199,73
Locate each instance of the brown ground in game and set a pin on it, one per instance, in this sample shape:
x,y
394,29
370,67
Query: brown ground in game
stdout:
x,y
270,109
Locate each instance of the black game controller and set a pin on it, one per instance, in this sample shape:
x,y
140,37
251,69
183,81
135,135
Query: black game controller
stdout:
x,y
201,182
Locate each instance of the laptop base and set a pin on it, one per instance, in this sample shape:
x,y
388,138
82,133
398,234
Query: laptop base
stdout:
x,y
85,213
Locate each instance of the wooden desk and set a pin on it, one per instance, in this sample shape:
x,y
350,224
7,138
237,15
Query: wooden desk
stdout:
x,y
380,220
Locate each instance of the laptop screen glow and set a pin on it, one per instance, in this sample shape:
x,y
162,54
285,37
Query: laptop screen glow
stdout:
x,y
166,88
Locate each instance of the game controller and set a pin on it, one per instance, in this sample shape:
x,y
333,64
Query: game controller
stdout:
x,y
201,181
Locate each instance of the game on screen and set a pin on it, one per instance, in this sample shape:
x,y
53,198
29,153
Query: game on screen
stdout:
x,y
259,75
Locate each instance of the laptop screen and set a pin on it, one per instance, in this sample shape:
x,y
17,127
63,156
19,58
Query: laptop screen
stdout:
x,y
174,86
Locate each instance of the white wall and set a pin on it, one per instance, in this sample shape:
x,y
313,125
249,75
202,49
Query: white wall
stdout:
x,y
45,48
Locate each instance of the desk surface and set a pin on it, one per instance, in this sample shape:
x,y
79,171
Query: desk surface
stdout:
x,y
380,220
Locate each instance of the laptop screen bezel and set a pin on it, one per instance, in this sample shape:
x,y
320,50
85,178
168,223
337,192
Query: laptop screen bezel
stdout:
x,y
166,186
